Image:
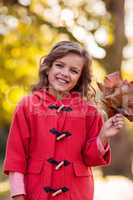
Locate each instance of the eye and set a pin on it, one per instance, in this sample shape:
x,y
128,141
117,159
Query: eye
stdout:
x,y
59,65
74,71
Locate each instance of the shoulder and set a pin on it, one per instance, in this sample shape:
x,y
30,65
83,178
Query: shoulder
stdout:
x,y
32,103
22,105
30,99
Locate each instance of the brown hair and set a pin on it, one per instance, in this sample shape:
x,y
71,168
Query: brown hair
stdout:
x,y
60,50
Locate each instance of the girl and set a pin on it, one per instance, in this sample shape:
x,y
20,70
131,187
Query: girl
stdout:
x,y
56,136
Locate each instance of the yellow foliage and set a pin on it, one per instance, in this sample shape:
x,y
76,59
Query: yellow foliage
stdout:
x,y
47,32
10,39
127,75
16,52
12,96
98,72
10,63
4,186
110,38
3,86
25,70
7,106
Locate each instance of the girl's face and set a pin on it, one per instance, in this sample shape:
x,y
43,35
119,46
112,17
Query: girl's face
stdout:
x,y
65,73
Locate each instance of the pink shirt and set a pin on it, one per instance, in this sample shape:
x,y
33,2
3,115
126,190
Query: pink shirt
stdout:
x,y
16,179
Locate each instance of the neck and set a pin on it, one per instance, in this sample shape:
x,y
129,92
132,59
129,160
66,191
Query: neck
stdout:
x,y
57,94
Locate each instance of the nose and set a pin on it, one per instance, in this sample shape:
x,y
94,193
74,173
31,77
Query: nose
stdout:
x,y
65,72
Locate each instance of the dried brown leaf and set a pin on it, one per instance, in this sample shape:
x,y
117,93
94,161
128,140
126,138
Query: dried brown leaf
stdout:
x,y
117,95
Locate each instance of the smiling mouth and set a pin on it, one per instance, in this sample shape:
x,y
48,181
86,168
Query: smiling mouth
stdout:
x,y
62,81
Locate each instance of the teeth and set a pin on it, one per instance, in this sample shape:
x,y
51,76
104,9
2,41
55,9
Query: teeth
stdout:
x,y
62,81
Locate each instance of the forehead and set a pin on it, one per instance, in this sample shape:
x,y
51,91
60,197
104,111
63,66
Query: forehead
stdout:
x,y
72,59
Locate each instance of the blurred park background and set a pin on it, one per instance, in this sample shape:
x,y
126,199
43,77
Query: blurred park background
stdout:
x,y
29,28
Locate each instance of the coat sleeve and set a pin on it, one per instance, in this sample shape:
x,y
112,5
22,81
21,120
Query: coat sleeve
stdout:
x,y
17,142
91,154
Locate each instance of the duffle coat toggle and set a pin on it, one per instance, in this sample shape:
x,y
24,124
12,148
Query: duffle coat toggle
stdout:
x,y
60,108
60,134
55,191
58,164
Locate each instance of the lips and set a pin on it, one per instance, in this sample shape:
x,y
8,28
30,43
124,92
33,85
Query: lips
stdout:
x,y
62,80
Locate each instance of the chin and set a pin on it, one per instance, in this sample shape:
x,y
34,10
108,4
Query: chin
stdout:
x,y
61,89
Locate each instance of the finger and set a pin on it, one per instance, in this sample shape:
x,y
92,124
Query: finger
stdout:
x,y
119,124
119,115
118,118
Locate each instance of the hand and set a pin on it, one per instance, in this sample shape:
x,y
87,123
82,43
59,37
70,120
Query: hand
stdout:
x,y
19,197
111,127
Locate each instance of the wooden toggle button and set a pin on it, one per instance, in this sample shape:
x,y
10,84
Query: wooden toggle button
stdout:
x,y
59,165
60,108
57,192
61,136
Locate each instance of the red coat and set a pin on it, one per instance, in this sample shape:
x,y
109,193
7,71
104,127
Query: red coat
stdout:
x,y
55,147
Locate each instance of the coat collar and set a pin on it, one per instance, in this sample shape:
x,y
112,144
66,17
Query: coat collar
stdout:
x,y
71,98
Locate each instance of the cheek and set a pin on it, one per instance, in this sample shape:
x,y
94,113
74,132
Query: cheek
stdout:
x,y
76,78
51,72
50,77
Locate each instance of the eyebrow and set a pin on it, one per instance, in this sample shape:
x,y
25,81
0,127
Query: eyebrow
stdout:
x,y
76,68
60,62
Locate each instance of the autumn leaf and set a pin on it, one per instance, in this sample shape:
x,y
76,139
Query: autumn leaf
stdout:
x,y
117,95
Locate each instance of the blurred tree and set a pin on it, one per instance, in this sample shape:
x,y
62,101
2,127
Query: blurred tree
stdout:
x,y
120,144
114,57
